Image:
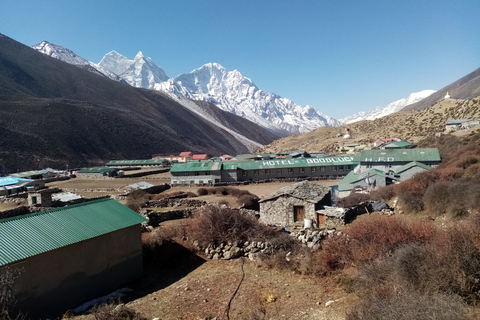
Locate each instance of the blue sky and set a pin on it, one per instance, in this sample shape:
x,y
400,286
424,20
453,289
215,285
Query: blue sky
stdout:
x,y
338,56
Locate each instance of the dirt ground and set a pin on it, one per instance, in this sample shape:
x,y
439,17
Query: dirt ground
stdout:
x,y
184,286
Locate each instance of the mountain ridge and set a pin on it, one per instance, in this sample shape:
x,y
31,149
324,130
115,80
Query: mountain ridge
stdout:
x,y
55,113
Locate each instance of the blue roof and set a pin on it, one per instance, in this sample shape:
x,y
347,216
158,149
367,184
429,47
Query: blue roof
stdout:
x,y
8,181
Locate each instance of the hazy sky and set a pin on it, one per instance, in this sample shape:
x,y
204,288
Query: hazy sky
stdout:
x,y
338,56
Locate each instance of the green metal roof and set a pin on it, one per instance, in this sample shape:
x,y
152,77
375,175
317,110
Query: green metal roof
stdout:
x,y
289,163
156,161
397,144
28,174
350,180
32,234
262,164
196,166
399,155
412,164
95,170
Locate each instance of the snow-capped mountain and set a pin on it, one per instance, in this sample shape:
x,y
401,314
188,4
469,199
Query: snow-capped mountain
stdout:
x,y
232,92
389,109
141,72
68,56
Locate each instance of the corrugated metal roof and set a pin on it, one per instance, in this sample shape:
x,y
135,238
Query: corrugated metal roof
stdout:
x,y
399,155
411,165
95,170
262,164
397,144
135,162
196,166
26,174
29,235
8,181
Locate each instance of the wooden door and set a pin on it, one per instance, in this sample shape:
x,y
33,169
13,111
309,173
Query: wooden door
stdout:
x,y
298,213
320,219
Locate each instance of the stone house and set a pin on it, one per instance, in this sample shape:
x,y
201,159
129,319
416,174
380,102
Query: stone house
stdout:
x,y
289,206
70,255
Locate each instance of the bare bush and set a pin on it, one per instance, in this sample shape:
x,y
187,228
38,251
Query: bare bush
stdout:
x,y
409,306
217,224
114,311
8,276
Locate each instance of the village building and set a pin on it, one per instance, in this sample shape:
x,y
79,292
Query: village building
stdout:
x,y
104,171
214,172
379,168
145,163
388,160
70,255
291,205
397,145
364,182
13,185
460,124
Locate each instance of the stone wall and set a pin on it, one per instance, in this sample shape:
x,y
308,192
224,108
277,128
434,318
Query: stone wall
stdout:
x,y
256,250
279,211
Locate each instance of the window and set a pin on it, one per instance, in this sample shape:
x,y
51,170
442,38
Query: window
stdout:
x,y
244,173
207,173
313,169
369,165
334,168
340,168
267,172
322,169
197,173
185,174
279,171
302,170
290,170
255,172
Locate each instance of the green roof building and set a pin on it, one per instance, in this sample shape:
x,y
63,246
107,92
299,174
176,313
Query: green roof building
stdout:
x,y
71,254
212,172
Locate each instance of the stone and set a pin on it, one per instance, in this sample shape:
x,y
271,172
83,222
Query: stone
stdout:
x,y
216,256
233,253
328,303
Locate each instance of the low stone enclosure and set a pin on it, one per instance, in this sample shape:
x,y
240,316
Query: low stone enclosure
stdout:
x,y
180,208
255,249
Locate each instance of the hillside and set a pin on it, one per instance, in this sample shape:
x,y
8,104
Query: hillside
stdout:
x,y
53,113
410,126
467,87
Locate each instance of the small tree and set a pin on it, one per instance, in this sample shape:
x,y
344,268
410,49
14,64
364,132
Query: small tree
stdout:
x,y
8,276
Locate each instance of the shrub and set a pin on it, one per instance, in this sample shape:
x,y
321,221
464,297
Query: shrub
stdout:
x,y
353,199
383,193
215,225
368,240
113,311
249,201
202,192
8,276
409,306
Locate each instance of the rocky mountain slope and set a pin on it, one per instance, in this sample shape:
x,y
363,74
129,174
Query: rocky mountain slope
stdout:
x,y
53,113
467,87
389,109
228,90
232,92
412,126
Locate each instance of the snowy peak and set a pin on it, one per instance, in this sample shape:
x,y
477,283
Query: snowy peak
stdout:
x,y
141,72
232,92
389,109
60,53
68,56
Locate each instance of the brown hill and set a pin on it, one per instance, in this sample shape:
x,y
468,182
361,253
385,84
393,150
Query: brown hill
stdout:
x,y
53,113
410,126
467,87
